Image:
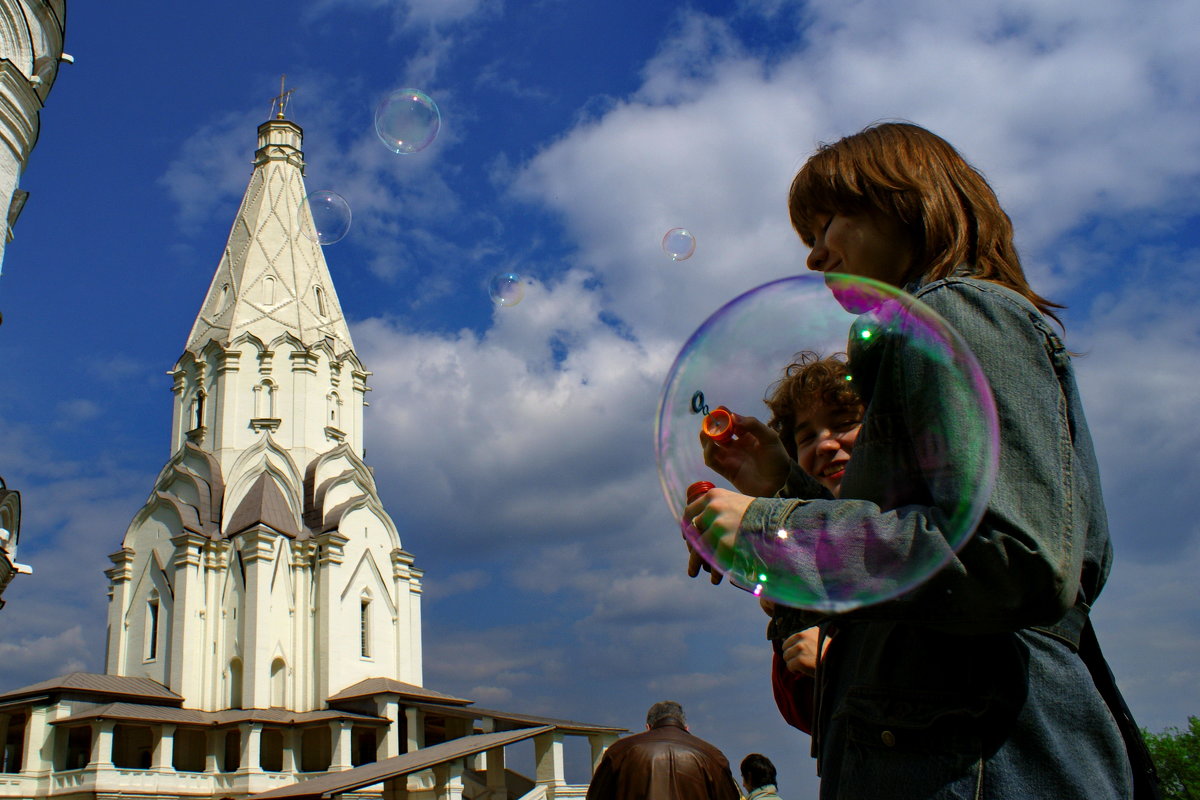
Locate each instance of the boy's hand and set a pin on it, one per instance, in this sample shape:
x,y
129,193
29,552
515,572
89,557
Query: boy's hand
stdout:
x,y
754,460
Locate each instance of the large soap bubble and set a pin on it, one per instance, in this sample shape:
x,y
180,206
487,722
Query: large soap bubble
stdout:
x,y
834,557
330,215
407,120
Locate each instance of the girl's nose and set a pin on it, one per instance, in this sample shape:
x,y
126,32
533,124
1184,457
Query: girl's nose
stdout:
x,y
816,257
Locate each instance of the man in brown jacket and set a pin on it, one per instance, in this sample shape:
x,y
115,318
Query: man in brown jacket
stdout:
x,y
664,763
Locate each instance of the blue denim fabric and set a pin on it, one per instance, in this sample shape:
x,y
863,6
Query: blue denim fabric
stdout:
x,y
948,691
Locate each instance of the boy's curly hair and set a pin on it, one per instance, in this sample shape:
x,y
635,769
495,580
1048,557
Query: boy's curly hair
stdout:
x,y
808,381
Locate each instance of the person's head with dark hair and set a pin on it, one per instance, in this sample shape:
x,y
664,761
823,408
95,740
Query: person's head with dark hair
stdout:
x,y
911,184
817,413
757,771
665,713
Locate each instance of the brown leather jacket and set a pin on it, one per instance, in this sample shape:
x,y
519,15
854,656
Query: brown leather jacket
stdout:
x,y
664,763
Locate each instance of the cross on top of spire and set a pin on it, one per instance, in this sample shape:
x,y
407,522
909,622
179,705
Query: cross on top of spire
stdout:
x,y
281,99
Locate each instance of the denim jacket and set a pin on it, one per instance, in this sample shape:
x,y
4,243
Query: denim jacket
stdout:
x,y
969,685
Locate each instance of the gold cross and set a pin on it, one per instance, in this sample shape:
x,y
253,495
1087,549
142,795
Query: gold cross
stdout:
x,y
281,100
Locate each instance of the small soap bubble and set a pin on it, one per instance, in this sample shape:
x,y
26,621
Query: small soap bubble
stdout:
x,y
679,244
830,557
506,289
325,217
407,121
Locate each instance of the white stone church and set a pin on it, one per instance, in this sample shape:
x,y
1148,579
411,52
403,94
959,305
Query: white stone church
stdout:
x,y
264,622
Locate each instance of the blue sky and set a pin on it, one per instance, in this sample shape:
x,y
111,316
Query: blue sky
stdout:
x,y
514,446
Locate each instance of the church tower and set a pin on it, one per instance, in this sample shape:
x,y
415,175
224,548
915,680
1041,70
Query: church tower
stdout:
x,y
263,571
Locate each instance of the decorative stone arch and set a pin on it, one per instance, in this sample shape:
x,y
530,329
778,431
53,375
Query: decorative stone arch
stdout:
x,y
16,40
265,455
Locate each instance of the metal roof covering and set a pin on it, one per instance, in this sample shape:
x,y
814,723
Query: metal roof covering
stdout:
x,y
137,712
408,691
335,783
526,720
264,504
95,683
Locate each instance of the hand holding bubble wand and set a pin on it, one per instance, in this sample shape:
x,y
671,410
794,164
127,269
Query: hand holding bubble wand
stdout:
x,y
721,429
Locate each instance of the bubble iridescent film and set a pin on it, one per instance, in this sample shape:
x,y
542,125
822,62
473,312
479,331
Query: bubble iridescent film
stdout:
x,y
938,458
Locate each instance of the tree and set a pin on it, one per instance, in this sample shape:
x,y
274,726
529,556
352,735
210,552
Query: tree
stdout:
x,y
1176,754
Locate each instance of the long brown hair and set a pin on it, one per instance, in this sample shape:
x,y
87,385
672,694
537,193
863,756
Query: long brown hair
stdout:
x,y
905,172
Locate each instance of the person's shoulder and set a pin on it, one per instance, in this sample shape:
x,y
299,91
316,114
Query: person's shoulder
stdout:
x,y
965,287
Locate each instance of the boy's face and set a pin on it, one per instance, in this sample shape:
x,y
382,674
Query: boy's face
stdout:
x,y
824,438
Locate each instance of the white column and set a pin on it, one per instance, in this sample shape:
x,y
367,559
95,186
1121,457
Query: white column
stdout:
x,y
258,550
496,778
416,729
39,743
388,744
186,622
340,736
447,780
251,747
164,749
214,749
548,753
396,788
290,742
600,742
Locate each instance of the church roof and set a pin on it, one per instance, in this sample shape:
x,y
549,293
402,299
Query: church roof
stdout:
x,y
139,712
272,279
336,783
94,683
567,725
407,691
263,504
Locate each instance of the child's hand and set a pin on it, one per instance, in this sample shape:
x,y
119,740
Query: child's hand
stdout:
x,y
716,515
753,460
800,651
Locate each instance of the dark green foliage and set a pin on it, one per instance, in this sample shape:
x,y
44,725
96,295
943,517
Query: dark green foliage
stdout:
x,y
1177,756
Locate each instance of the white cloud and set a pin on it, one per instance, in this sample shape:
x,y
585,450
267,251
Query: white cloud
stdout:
x,y
39,657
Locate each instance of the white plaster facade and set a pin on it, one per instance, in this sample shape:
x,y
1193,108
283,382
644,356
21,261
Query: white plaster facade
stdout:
x,y
264,620
31,48
264,536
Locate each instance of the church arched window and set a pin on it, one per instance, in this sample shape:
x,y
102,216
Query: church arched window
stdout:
x,y
235,683
334,405
278,683
152,626
364,625
269,290
198,409
264,400
319,296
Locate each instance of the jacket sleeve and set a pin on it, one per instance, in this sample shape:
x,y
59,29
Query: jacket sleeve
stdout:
x,y
1022,565
603,783
793,695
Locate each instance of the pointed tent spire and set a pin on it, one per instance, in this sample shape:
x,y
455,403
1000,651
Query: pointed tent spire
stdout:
x,y
272,278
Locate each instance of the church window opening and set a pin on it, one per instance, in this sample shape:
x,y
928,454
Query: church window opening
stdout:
x,y
152,627
278,683
264,400
334,404
269,290
224,298
235,683
198,410
364,627
320,298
